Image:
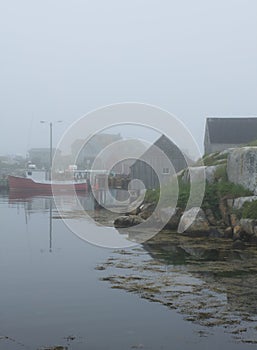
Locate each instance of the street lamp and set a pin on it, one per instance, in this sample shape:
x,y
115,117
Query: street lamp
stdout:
x,y
51,142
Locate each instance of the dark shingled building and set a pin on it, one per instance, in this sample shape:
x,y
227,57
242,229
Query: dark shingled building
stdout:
x,y
143,171
223,133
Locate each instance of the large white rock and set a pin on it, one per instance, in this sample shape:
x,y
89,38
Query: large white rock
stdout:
x,y
239,202
194,221
227,151
200,172
248,225
242,167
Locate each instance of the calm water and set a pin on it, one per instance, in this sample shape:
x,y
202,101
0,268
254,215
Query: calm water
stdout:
x,y
51,293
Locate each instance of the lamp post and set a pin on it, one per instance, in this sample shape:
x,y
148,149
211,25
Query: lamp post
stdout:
x,y
51,143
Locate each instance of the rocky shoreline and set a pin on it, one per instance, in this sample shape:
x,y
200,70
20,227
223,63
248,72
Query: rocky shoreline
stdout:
x,y
234,169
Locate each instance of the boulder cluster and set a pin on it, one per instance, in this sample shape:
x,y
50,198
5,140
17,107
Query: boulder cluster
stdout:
x,y
241,169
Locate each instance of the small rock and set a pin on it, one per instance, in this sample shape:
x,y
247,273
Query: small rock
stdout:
x,y
217,232
146,210
238,244
224,211
228,233
234,220
127,221
248,226
210,217
236,232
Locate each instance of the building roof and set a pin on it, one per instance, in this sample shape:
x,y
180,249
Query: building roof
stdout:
x,y
232,130
168,147
95,144
43,150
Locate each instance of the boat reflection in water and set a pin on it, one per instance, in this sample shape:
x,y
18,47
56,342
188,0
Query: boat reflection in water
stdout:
x,y
44,204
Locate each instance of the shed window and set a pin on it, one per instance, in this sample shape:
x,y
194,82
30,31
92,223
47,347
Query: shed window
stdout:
x,y
165,170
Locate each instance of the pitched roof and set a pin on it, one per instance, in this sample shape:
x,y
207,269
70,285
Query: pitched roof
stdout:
x,y
232,130
168,147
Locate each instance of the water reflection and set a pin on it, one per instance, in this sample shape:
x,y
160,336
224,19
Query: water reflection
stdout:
x,y
178,250
227,272
215,262
33,204
45,298
82,214
41,202
202,278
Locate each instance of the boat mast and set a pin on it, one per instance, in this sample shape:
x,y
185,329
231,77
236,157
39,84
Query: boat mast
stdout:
x,y
51,145
51,151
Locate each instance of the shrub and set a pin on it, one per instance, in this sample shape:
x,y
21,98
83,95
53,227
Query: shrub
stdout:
x,y
213,193
169,191
252,143
152,196
184,192
232,190
221,173
249,210
211,198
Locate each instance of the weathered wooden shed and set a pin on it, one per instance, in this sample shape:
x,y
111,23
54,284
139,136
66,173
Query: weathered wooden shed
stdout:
x,y
143,168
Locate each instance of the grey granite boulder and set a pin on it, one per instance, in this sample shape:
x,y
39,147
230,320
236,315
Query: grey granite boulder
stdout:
x,y
194,221
242,167
248,225
239,202
170,216
200,172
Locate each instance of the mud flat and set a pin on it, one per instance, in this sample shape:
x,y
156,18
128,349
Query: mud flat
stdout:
x,y
205,280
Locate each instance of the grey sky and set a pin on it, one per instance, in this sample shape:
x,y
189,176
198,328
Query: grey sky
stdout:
x,y
60,59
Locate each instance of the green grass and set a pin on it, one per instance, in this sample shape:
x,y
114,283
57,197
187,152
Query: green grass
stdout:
x,y
251,144
221,188
214,159
152,196
221,173
212,196
231,190
169,192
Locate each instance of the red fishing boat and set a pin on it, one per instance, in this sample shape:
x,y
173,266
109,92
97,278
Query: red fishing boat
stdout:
x,y
34,181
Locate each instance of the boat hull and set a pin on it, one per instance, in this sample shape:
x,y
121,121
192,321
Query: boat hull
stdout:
x,y
24,184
